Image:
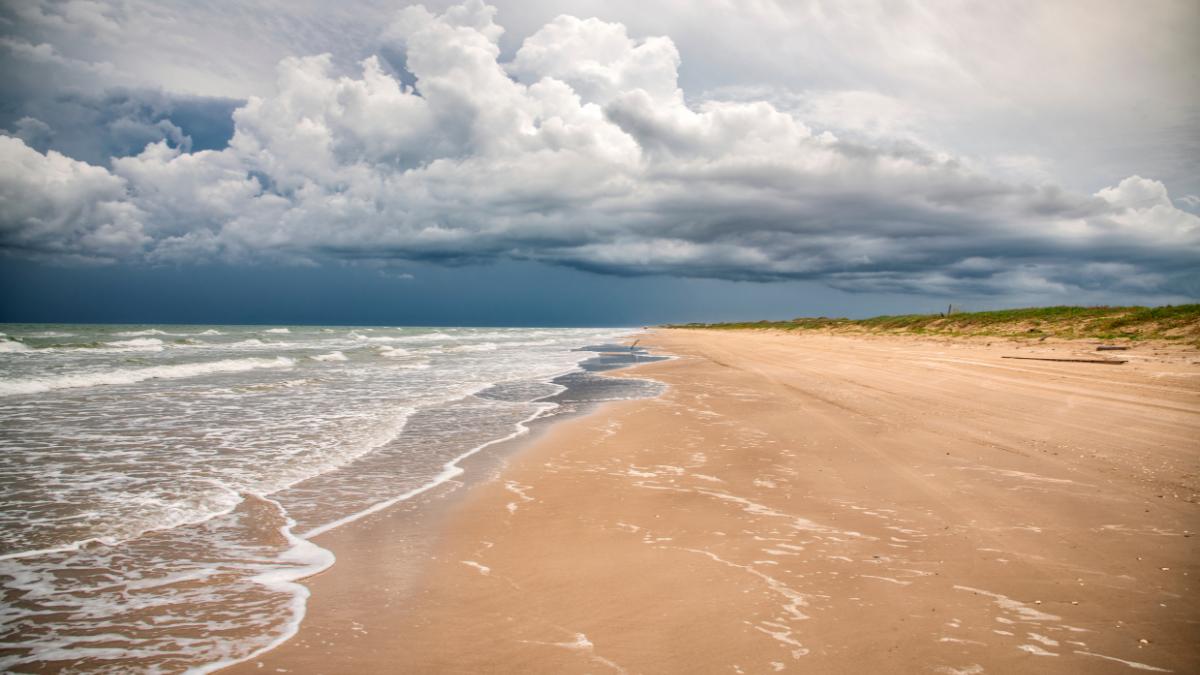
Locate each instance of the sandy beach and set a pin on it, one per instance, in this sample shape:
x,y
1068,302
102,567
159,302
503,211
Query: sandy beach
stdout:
x,y
807,502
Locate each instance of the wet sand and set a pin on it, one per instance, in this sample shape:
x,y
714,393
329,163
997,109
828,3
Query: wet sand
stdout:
x,y
814,503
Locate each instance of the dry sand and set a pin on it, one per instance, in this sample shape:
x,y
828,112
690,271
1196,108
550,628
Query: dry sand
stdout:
x,y
810,503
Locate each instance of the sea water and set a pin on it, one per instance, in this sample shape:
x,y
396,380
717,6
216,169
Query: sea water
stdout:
x,y
160,483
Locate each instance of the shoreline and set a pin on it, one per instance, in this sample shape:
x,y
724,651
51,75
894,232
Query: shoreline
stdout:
x,y
429,503
445,480
564,558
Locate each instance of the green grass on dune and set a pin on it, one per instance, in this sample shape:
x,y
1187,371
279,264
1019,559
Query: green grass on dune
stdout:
x,y
1170,322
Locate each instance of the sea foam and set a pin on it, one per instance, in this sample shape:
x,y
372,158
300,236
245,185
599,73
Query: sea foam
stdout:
x,y
332,356
393,352
149,344
134,375
141,333
197,496
12,346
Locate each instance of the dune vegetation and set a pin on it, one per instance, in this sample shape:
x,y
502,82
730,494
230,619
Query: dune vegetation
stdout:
x,y
1169,322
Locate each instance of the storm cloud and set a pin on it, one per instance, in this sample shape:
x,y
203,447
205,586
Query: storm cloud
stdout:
x,y
578,148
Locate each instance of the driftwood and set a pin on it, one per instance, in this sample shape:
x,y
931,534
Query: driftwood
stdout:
x,y
1113,362
1111,348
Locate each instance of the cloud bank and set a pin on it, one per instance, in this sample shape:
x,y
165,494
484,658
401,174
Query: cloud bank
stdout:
x,y
579,150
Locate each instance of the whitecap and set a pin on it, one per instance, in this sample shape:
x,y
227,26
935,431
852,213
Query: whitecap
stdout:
x,y
332,356
145,344
141,333
393,352
427,337
531,343
134,375
371,338
277,330
481,347
12,346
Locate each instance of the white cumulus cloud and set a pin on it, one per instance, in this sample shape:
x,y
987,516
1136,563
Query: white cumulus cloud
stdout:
x,y
51,204
582,150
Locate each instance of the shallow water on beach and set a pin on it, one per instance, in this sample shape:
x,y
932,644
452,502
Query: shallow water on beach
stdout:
x,y
160,482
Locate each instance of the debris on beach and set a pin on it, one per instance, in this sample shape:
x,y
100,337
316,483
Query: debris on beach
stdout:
x,y
1066,360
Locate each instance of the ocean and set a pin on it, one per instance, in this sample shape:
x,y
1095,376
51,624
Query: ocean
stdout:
x,y
160,484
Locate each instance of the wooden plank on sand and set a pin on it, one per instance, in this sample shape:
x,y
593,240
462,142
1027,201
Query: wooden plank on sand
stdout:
x,y
1113,362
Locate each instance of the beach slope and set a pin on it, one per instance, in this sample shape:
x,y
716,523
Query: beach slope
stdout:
x,y
807,502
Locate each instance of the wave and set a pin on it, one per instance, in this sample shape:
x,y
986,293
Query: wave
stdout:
x,y
481,347
277,330
13,346
255,343
147,344
450,470
141,333
332,356
210,331
134,375
49,334
393,352
499,334
426,337
302,559
369,338
532,343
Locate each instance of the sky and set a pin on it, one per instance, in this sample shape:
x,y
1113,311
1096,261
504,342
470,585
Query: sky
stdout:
x,y
593,163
